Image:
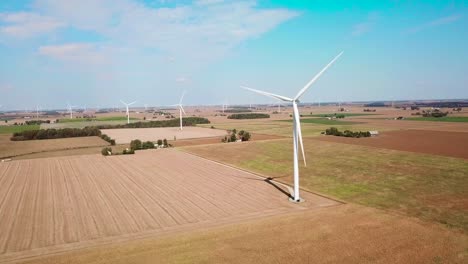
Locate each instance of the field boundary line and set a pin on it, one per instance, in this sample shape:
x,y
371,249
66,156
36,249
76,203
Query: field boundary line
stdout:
x,y
264,177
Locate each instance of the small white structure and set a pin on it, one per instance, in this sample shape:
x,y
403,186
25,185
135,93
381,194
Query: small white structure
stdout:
x,y
374,133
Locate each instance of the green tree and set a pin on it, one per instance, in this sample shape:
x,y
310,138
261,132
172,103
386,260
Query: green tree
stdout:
x,y
135,144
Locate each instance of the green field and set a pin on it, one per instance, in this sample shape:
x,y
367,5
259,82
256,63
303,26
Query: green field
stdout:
x,y
284,128
110,118
441,119
344,114
324,121
432,188
13,129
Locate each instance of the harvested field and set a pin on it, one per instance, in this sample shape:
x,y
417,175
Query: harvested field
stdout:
x,y
57,204
125,135
342,234
10,148
204,141
452,144
430,187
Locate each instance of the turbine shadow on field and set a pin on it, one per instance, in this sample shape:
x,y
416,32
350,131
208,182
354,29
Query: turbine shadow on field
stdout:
x,y
269,180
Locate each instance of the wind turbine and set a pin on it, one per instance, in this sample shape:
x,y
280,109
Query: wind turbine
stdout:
x,y
126,106
181,109
70,109
297,133
37,112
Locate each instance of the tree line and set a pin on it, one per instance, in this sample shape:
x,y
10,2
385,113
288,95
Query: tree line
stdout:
x,y
248,116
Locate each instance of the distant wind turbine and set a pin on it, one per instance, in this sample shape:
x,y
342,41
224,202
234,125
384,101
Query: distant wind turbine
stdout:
x,y
37,112
181,109
70,109
128,112
297,133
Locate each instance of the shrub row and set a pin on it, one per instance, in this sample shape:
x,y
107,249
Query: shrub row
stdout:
x,y
107,151
186,121
108,139
347,133
238,110
248,116
37,122
138,144
55,133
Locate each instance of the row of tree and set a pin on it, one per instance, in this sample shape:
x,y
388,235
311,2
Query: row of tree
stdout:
x,y
186,121
55,133
347,133
37,122
248,116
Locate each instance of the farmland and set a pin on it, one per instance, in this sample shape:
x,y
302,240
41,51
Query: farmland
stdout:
x,y
73,202
342,234
405,185
10,148
425,186
441,119
14,129
125,135
454,144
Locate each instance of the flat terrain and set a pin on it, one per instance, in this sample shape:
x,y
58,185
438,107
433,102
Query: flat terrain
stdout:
x,y
216,140
452,144
10,148
13,129
441,119
430,187
56,204
338,234
125,135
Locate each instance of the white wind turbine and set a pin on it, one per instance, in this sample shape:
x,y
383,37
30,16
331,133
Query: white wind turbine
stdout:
x,y
297,134
37,112
70,110
181,109
126,107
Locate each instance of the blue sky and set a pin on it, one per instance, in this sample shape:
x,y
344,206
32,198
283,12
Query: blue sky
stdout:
x,y
94,53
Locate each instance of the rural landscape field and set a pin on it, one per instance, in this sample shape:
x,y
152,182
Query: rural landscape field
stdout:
x,y
213,131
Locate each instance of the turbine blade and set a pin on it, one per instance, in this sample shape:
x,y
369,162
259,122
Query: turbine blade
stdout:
x,y
182,97
181,108
123,102
299,131
280,97
132,102
302,91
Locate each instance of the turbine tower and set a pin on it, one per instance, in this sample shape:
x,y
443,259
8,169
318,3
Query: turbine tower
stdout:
x,y
128,113
181,109
37,112
70,110
297,133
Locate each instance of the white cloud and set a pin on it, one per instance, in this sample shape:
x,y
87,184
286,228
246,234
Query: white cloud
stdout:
x,y
208,2
184,30
27,24
436,22
75,52
366,26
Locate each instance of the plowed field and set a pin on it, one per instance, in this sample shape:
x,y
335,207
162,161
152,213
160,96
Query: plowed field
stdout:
x,y
445,143
56,204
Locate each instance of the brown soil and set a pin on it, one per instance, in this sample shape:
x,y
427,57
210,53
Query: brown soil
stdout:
x,y
205,141
10,148
452,144
57,204
340,234
125,135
